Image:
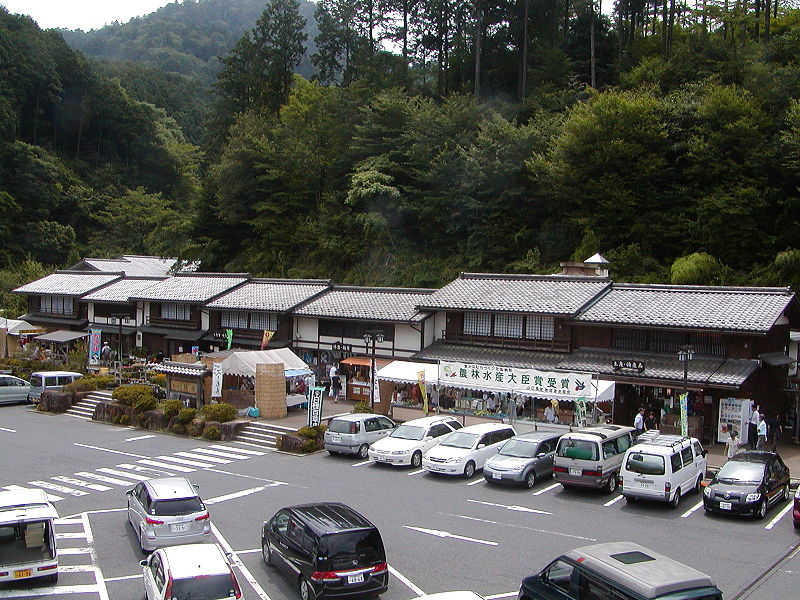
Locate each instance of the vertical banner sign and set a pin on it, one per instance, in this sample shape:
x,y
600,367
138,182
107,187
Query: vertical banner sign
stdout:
x,y
229,338
684,414
266,338
316,396
422,390
94,346
580,412
216,380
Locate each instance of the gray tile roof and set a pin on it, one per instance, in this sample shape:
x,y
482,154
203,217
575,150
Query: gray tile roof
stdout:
x,y
371,304
484,355
540,294
65,283
120,291
135,266
277,295
717,308
191,287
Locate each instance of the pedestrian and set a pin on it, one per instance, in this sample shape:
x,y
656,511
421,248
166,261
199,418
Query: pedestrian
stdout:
x,y
774,431
160,356
549,414
638,422
733,445
105,353
761,430
650,422
752,428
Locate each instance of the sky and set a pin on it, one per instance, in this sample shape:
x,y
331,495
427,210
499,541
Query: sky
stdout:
x,y
82,14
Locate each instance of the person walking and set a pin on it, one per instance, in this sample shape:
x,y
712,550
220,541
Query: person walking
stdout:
x,y
105,353
733,445
650,421
638,422
761,431
774,431
752,428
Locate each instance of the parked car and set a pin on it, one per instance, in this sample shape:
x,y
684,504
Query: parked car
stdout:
x,y
523,459
621,570
13,389
189,572
354,433
796,509
592,457
406,444
28,547
49,380
662,467
167,511
748,484
465,451
326,549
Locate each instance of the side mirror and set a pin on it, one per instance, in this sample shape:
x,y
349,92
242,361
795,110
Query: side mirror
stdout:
x,y
705,452
541,455
481,446
428,438
196,487
129,493
143,563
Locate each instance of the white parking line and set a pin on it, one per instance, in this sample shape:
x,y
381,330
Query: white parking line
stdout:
x,y
496,596
185,461
161,465
235,495
51,497
211,459
121,578
80,483
239,450
406,581
220,454
70,536
135,476
446,534
614,500
41,592
689,512
417,472
361,464
778,517
110,450
58,488
526,528
104,479
235,559
66,551
139,437
547,489
8,430
476,482
513,507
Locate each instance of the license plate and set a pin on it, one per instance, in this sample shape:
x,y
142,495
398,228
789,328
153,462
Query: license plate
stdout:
x,y
497,475
645,484
178,527
725,506
576,472
336,438
22,573
359,578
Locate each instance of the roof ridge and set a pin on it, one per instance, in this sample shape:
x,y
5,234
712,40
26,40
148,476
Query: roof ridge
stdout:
x,y
390,290
68,272
532,277
216,275
666,287
287,280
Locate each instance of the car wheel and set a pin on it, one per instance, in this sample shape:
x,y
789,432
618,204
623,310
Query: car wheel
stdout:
x,y
630,499
469,469
306,590
676,500
762,510
363,450
698,487
785,492
611,486
416,459
333,452
530,479
266,552
141,541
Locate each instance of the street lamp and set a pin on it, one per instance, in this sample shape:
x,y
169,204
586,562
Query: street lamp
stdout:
x,y
372,336
119,317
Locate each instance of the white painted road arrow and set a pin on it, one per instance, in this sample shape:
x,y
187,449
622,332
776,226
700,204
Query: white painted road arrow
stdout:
x,y
515,507
447,534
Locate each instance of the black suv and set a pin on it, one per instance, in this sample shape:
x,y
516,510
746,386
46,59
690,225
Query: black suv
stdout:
x,y
328,549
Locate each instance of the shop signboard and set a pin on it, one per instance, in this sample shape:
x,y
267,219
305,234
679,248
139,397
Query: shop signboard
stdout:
x,y
94,346
547,384
734,414
684,414
580,412
316,397
216,380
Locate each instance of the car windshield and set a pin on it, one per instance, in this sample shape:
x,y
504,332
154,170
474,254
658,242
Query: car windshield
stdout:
x,y
203,587
408,432
580,449
174,508
645,464
735,471
342,426
519,448
460,439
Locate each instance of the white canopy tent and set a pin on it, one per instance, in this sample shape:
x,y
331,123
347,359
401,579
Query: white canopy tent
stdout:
x,y
243,363
603,391
403,371
17,326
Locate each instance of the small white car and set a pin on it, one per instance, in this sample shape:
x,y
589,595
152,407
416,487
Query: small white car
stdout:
x,y
406,444
189,571
465,451
356,432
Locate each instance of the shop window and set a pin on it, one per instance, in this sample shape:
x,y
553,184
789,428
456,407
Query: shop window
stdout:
x,y
477,323
668,341
508,326
175,311
57,305
354,329
268,321
539,328
234,320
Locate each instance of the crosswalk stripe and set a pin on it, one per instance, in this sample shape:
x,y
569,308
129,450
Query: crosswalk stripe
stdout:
x,y
80,483
51,497
239,450
91,588
145,470
155,463
105,479
214,459
58,488
134,476
186,461
218,453
72,551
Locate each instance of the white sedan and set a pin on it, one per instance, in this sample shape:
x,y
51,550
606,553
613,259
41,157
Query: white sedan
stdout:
x,y
406,444
465,451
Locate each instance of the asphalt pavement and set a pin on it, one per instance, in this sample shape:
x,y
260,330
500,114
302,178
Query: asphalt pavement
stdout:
x,y
440,533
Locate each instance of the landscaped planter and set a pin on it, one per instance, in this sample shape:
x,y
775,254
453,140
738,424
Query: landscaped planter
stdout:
x,y
55,401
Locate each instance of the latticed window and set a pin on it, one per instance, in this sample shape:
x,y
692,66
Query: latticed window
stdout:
x,y
267,321
58,305
539,328
508,326
234,320
175,311
477,323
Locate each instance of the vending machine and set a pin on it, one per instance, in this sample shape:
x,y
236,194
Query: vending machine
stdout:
x,y
734,414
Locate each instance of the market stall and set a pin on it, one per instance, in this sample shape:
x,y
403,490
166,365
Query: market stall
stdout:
x,y
59,343
356,379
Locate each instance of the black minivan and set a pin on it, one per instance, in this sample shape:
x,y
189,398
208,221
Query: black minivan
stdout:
x,y
328,549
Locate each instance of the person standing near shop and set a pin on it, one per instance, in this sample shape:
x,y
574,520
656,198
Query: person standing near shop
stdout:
x,y
733,445
761,430
638,422
774,431
752,428
650,421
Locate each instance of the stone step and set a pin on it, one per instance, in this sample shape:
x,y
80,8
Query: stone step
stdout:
x,y
267,437
255,441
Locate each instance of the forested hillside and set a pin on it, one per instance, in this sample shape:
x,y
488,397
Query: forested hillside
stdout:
x,y
434,137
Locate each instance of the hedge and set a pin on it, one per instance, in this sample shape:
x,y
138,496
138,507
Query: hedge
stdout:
x,y
222,412
186,415
127,395
172,408
90,383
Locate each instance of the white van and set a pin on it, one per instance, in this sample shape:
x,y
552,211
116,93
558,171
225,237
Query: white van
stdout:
x,y
27,539
47,380
591,457
663,467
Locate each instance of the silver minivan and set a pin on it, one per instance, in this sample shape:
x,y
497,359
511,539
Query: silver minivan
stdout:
x,y
43,380
167,511
353,434
592,457
13,389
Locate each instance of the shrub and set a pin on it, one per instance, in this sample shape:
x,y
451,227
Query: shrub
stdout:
x,y
129,394
222,412
308,432
158,379
186,415
362,407
179,428
309,445
212,432
124,420
88,384
144,403
172,408
194,428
